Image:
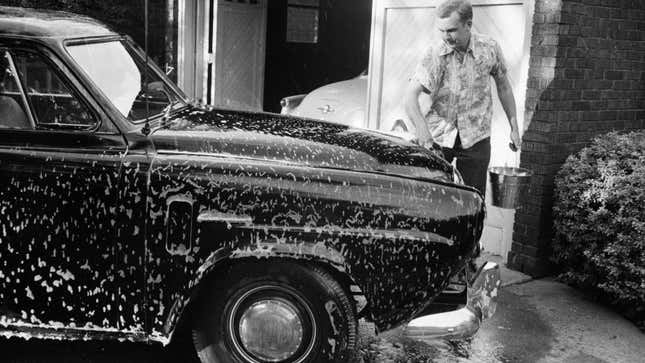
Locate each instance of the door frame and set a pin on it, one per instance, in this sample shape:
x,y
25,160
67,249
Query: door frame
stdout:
x,y
497,241
377,44
210,75
193,53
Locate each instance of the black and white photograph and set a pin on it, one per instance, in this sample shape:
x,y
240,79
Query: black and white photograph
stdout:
x,y
311,181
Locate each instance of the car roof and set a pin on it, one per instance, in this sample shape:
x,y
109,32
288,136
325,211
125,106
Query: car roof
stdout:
x,y
37,23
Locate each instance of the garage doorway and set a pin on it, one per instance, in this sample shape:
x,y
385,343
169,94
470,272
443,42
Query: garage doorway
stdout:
x,y
311,43
403,29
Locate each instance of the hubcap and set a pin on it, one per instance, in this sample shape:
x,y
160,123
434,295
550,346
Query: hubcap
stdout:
x,y
272,324
271,330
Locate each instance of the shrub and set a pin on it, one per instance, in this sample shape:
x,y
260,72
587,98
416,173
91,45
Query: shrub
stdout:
x,y
599,220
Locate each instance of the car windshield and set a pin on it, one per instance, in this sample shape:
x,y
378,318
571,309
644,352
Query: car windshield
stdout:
x,y
120,74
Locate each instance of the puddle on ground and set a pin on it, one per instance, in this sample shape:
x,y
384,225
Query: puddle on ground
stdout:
x,y
516,333
399,350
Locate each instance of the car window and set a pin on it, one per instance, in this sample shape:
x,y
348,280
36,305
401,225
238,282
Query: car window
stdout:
x,y
132,86
54,103
13,113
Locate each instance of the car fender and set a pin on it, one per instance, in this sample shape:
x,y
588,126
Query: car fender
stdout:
x,y
317,252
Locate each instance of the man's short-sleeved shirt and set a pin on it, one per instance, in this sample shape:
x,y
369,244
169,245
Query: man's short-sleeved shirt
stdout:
x,y
460,91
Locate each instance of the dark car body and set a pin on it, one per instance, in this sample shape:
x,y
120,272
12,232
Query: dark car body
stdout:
x,y
108,232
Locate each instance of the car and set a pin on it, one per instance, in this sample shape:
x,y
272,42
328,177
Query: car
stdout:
x,y
345,103
128,212
341,102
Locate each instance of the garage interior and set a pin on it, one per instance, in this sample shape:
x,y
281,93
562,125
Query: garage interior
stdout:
x,y
339,50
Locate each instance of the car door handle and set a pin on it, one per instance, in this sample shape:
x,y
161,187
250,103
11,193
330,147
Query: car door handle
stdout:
x,y
230,219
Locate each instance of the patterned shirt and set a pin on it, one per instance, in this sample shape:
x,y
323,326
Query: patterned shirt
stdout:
x,y
460,90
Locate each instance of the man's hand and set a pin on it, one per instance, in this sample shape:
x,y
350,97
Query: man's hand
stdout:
x,y
434,148
515,135
425,141
424,136
414,114
505,94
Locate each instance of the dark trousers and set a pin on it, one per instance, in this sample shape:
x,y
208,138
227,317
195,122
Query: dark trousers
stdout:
x,y
472,163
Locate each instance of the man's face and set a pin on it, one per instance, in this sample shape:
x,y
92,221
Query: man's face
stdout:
x,y
454,32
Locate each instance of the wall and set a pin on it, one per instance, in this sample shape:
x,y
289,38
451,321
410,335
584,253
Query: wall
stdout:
x,y
586,77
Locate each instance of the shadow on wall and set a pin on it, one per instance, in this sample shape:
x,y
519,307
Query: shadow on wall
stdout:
x,y
583,81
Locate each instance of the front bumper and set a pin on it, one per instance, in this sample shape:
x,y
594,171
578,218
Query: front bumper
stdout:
x,y
461,323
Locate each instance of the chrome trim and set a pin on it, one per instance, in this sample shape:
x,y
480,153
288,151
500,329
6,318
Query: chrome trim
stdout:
x,y
228,218
483,290
173,200
456,177
289,104
326,109
22,91
242,221
400,234
57,331
271,329
181,47
203,14
309,314
464,322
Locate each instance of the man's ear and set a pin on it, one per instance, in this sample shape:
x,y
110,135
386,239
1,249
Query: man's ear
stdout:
x,y
469,24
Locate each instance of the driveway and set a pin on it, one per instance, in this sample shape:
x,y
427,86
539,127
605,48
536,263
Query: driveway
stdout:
x,y
537,321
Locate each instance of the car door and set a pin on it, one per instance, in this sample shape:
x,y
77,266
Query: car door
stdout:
x,y
60,161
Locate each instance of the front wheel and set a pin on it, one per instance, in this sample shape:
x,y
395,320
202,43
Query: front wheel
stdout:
x,y
274,312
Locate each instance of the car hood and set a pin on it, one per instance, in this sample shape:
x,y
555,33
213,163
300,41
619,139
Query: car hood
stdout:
x,y
342,102
288,139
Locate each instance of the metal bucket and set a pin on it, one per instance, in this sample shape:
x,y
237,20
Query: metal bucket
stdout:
x,y
508,184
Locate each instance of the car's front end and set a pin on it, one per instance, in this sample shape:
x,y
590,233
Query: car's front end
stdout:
x,y
458,314
248,225
459,309
394,216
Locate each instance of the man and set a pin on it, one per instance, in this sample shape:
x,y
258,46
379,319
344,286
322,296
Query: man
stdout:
x,y
456,73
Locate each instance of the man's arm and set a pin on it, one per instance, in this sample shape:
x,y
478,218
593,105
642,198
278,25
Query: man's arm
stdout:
x,y
505,93
413,110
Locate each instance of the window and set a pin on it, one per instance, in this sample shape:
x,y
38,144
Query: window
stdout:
x,y
132,86
53,103
302,21
13,113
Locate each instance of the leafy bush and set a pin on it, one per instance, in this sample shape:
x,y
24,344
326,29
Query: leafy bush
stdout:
x,y
599,219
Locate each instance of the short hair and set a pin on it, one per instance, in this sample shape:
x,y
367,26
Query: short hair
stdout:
x,y
462,7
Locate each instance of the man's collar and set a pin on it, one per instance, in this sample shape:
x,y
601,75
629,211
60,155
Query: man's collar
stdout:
x,y
445,49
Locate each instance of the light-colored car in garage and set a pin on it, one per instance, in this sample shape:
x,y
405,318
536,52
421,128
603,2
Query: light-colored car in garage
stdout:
x,y
343,102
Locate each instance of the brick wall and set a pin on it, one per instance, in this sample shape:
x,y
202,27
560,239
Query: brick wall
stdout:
x,y
586,77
